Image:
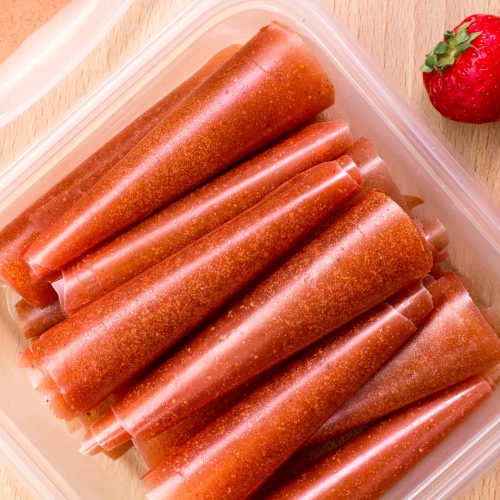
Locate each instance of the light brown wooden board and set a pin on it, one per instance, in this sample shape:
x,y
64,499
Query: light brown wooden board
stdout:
x,y
397,34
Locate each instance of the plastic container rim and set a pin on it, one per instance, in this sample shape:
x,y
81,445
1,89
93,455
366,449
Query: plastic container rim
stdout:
x,y
406,122
69,64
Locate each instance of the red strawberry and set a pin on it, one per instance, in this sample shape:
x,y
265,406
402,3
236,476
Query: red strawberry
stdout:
x,y
462,73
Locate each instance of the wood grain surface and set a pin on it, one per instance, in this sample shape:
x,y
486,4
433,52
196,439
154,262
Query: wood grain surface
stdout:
x,y
396,33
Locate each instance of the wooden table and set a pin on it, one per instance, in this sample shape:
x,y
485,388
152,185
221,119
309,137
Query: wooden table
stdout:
x,y
397,33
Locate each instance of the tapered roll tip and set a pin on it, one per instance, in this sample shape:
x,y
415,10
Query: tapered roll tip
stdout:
x,y
412,201
435,233
438,288
89,446
32,258
350,167
492,375
108,432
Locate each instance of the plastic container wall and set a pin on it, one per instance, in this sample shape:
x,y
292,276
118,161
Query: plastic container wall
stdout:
x,y
420,161
52,51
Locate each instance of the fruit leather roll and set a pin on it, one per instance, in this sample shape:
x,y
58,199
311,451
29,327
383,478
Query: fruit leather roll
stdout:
x,y
413,303
33,321
87,418
97,349
270,86
375,171
455,343
373,462
369,253
198,213
409,303
46,387
154,451
271,424
437,236
16,237
167,444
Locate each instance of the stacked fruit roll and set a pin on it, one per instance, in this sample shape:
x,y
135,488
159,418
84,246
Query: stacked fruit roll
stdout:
x,y
242,292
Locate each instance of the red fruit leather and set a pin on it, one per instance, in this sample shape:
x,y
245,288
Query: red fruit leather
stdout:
x,y
455,343
270,86
154,451
167,444
33,321
369,253
97,349
414,303
376,173
16,237
198,213
408,302
373,462
271,424
87,418
45,386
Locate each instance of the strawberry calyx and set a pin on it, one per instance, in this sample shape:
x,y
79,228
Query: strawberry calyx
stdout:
x,y
445,53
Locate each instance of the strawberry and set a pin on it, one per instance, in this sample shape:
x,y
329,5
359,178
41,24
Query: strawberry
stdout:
x,y
462,73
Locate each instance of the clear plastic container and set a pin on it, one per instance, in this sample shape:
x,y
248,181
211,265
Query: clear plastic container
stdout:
x,y
38,444
52,51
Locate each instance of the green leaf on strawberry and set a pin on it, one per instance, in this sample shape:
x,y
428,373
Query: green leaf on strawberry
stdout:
x,y
447,52
462,73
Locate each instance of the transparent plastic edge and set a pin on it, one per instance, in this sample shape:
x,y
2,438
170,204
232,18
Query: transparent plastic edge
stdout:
x,y
420,137
472,460
69,64
41,476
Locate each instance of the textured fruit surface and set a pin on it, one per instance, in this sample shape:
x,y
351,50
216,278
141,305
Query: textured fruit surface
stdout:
x,y
462,73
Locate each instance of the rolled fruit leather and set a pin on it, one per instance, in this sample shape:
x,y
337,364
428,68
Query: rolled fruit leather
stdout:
x,y
198,213
454,343
373,462
309,456
306,457
368,254
33,321
87,418
375,171
97,349
167,444
272,85
154,451
376,175
437,236
16,237
414,303
274,420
